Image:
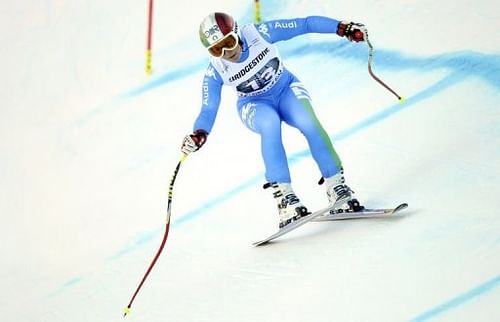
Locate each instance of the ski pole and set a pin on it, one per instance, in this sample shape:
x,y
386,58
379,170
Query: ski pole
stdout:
x,y
149,68
370,59
257,12
167,228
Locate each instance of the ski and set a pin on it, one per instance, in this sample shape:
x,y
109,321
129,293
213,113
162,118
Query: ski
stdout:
x,y
326,215
364,213
294,225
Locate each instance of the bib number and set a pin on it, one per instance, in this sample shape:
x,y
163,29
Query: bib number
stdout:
x,y
261,79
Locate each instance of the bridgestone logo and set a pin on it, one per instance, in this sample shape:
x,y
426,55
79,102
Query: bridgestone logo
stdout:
x,y
250,65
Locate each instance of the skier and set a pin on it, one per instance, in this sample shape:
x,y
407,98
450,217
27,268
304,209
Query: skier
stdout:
x,y
269,94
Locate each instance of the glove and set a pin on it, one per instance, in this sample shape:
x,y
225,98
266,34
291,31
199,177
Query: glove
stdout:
x,y
193,142
351,30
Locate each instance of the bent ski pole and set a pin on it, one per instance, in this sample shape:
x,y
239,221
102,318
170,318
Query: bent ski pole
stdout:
x,y
167,228
370,59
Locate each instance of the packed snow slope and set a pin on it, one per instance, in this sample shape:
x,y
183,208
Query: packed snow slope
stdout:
x,y
88,144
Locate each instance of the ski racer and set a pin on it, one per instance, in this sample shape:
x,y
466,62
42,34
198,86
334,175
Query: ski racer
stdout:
x,y
268,94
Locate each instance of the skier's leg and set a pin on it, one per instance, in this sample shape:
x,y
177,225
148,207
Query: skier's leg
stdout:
x,y
297,111
262,118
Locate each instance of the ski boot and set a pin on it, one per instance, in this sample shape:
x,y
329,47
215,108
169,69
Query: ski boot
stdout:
x,y
340,194
289,206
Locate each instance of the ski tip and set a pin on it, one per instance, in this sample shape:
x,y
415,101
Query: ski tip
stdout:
x,y
401,207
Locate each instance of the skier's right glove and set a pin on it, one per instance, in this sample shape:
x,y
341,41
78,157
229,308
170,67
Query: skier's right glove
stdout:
x,y
352,30
193,142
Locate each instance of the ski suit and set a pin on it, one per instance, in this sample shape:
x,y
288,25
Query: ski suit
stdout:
x,y
269,94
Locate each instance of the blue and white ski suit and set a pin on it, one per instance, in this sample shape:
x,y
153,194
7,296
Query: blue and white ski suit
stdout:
x,y
269,94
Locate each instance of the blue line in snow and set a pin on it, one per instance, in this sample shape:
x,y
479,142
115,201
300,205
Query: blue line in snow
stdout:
x,y
170,76
465,63
459,300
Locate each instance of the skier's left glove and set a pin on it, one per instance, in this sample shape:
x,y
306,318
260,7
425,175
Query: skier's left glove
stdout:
x,y
352,30
193,142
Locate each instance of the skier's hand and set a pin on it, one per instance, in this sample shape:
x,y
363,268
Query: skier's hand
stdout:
x,y
352,30
193,142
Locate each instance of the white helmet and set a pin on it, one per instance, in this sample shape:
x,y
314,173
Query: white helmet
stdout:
x,y
216,26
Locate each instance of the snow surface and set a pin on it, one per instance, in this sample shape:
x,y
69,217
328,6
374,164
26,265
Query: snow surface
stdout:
x,y
89,143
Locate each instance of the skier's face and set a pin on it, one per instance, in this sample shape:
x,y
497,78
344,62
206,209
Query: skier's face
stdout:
x,y
228,47
232,55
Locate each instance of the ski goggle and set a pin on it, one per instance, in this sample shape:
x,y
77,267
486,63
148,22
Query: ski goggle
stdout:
x,y
229,42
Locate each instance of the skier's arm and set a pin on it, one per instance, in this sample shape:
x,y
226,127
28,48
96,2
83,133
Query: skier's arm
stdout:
x,y
284,29
210,97
211,94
